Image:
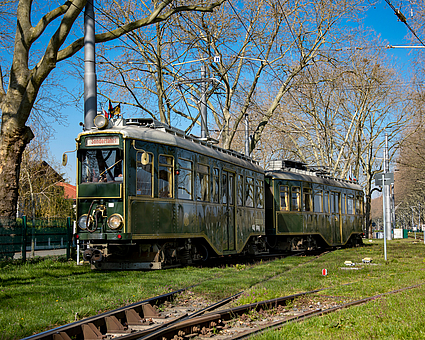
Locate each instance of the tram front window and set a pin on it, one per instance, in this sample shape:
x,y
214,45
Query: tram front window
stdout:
x,y
101,166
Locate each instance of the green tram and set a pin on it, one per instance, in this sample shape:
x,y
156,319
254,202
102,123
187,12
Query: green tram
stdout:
x,y
149,197
307,209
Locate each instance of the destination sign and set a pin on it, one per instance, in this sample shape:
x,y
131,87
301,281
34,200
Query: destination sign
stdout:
x,y
100,141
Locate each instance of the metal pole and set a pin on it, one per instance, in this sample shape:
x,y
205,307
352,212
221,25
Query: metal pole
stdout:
x,y
413,226
90,87
246,135
384,216
393,217
24,239
78,251
387,192
68,237
419,215
203,103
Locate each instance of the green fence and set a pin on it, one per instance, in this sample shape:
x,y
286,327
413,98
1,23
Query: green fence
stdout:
x,y
22,235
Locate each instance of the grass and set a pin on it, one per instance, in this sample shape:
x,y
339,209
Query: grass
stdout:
x,y
50,292
393,316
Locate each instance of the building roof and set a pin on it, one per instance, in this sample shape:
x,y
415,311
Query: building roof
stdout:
x,y
70,191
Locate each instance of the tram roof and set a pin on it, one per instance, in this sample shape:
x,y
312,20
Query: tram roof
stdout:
x,y
307,176
165,135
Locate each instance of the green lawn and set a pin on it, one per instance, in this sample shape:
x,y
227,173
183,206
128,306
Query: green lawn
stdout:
x,y
47,293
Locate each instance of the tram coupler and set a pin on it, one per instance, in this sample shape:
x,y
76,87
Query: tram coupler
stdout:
x,y
92,255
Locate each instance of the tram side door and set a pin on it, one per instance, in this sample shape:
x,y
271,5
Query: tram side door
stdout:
x,y
336,218
228,201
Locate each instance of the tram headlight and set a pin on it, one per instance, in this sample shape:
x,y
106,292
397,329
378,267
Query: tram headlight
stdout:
x,y
115,221
82,221
100,121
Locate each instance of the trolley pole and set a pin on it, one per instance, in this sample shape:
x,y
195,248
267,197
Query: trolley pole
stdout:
x,y
203,112
204,128
246,135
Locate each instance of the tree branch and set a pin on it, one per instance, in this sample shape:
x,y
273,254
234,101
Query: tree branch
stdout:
x,y
50,17
152,19
2,91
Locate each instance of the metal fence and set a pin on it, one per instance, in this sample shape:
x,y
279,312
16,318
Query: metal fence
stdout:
x,y
22,235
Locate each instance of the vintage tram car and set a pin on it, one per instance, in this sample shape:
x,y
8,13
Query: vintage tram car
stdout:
x,y
149,197
307,209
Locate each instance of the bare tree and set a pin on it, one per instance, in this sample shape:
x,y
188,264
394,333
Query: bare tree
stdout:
x,y
40,192
411,156
337,113
27,76
249,49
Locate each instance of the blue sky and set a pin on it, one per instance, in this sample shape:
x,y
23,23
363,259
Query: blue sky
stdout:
x,y
385,23
381,19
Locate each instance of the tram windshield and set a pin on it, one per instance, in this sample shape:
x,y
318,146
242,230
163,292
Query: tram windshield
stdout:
x,y
101,166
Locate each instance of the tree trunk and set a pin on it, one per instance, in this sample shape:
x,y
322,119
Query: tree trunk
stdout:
x,y
12,146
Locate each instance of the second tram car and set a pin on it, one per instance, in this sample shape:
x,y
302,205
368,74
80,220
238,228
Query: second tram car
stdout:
x,y
150,197
307,209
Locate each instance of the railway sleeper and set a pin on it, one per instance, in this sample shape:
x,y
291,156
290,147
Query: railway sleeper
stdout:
x,y
61,336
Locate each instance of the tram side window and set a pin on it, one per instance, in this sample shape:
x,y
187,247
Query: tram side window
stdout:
x,y
202,183
216,181
239,189
249,192
144,173
326,201
184,179
359,206
284,197
343,202
231,189
224,188
350,204
296,197
308,200
260,193
165,176
334,200
318,201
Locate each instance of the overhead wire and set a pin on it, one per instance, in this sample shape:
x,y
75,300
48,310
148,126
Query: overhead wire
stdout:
x,y
403,19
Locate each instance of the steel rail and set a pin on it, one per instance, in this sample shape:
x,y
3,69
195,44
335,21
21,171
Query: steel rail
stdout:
x,y
74,328
309,314
195,325
77,328
179,322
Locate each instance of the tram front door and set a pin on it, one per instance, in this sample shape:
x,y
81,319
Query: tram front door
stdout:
x,y
228,201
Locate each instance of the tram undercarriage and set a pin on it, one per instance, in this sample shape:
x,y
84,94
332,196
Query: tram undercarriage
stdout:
x,y
159,255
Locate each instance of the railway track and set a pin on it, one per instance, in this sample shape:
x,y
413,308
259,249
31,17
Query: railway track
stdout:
x,y
141,313
128,323
142,319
